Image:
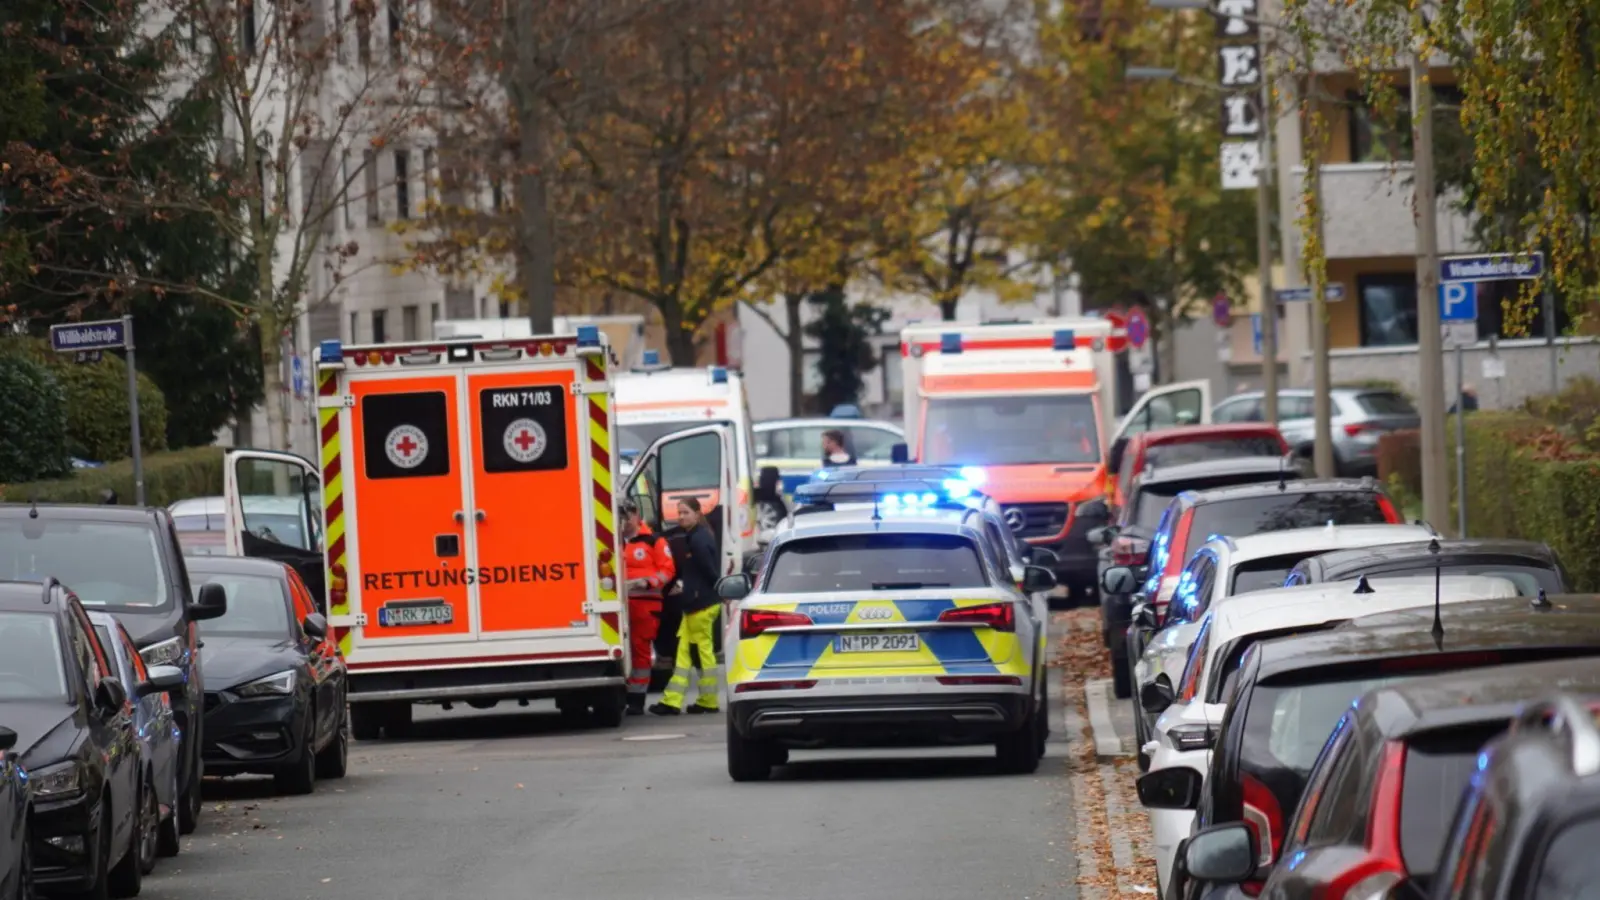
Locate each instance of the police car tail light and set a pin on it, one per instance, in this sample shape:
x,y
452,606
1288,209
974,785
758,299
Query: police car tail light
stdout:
x,y
753,622
999,616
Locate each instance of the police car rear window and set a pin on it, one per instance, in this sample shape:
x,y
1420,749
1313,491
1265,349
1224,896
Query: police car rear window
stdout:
x,y
868,562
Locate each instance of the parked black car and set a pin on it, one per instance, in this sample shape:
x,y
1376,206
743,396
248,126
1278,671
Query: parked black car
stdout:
x,y
16,876
126,561
277,703
1288,694
1529,820
77,741
1531,566
1126,542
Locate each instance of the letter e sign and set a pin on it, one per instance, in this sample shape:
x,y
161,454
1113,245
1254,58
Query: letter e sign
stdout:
x,y
1241,66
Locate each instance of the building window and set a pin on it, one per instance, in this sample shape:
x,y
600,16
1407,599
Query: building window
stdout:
x,y
497,194
247,26
1375,141
483,308
363,33
1492,297
409,321
402,184
355,324
433,319
396,19
505,309
427,178
1388,309
379,332
338,29
344,188
369,162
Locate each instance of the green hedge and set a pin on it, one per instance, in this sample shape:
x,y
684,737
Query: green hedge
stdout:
x,y
168,478
33,434
97,402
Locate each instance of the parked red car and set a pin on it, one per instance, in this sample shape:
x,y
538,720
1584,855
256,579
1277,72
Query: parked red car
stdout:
x,y
1189,444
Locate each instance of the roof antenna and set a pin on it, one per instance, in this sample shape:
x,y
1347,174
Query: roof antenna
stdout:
x,y
33,508
1363,586
1282,475
1541,601
876,516
1438,599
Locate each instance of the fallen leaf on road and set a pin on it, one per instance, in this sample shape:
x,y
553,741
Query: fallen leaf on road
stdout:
x,y
326,880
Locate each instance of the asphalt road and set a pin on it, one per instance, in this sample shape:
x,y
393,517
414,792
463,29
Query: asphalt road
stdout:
x,y
512,804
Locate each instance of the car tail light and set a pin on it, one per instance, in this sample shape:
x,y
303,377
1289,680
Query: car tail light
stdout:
x,y
999,616
1180,541
1390,514
1129,552
1264,816
753,622
1382,867
1355,429
750,686
974,680
1192,737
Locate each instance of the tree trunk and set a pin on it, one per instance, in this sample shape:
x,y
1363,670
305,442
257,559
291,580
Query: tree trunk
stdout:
x,y
794,336
1165,350
680,336
947,307
272,384
535,230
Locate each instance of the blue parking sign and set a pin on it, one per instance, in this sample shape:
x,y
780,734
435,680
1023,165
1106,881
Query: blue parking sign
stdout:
x,y
1458,301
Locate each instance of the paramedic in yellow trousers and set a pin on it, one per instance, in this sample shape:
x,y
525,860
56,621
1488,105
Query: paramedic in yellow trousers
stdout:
x,y
699,603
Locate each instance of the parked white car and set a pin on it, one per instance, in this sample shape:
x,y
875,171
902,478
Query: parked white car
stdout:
x,y
1190,710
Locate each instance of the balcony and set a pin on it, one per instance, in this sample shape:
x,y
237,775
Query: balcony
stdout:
x,y
1367,212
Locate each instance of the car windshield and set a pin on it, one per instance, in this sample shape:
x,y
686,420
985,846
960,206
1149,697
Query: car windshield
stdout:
x,y
1164,491
1179,453
1529,579
1383,403
1285,728
866,562
1152,503
31,667
636,437
257,606
197,522
1011,431
1280,512
1570,868
1264,574
1438,767
106,564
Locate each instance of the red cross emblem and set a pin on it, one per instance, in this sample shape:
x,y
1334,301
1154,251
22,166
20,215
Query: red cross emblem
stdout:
x,y
406,446
525,440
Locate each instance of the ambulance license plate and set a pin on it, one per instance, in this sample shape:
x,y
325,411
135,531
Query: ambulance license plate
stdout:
x,y
416,612
876,643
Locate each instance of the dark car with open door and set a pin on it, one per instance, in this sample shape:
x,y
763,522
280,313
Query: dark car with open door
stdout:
x,y
76,737
277,684
125,561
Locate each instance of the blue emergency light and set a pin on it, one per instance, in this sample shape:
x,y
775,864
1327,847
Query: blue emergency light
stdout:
x,y
973,475
949,343
911,501
330,352
651,358
1064,340
719,375
588,335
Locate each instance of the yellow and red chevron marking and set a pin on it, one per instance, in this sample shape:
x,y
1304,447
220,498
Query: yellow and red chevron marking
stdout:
x,y
605,524
333,508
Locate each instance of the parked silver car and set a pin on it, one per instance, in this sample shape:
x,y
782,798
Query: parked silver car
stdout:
x,y
1360,417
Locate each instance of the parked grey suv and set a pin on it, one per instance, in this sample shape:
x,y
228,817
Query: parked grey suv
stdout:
x,y
1360,417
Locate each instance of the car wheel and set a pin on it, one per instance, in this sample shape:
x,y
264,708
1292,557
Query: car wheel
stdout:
x,y
300,776
100,887
334,760
1042,717
366,721
190,801
1018,751
1121,675
126,878
748,760
609,707
574,709
149,826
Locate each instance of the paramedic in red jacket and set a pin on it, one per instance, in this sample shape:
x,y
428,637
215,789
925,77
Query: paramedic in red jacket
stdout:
x,y
649,569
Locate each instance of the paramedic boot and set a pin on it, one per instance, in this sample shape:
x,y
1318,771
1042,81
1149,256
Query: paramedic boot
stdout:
x,y
635,704
662,709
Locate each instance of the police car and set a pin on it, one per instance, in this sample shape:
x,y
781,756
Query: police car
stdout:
x,y
883,615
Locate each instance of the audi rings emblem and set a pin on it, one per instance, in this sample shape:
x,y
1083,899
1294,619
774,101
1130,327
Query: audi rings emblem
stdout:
x,y
1015,519
875,612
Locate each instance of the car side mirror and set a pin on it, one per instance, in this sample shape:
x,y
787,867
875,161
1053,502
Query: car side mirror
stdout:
x,y
752,562
110,696
162,680
8,739
211,602
1043,556
1222,854
1037,580
1174,788
1095,510
1144,616
1103,535
899,454
1115,454
1118,580
1156,696
734,587
315,626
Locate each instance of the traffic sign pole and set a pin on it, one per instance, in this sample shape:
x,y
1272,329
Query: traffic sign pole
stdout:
x,y
133,413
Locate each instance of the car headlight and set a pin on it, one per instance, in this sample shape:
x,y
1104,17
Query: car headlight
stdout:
x,y
57,781
279,683
166,653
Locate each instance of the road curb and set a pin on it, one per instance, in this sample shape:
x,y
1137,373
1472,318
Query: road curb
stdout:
x,y
1108,745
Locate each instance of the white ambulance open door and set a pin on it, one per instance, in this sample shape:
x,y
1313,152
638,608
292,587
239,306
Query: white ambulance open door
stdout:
x,y
1168,406
698,463
272,509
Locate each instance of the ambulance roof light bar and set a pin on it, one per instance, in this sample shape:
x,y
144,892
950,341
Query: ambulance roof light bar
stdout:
x,y
330,354
1064,339
719,375
588,342
650,361
950,342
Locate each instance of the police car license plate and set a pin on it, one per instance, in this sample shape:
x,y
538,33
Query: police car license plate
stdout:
x,y
876,643
426,612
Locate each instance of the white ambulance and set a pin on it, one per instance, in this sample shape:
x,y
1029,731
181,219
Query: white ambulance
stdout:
x,y
465,511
